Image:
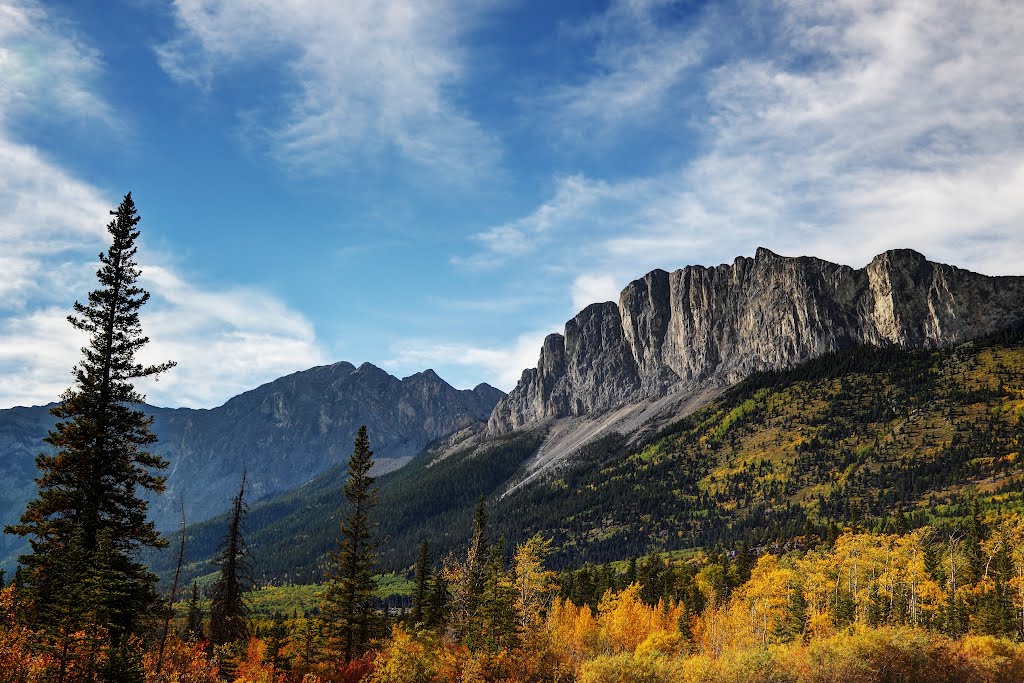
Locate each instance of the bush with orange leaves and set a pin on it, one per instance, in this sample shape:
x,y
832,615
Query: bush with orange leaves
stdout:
x,y
184,661
254,667
623,625
18,664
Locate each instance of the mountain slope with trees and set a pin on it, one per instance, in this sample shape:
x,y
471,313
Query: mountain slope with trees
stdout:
x,y
284,433
878,438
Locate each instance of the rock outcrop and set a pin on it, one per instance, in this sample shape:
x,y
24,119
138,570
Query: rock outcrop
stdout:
x,y
700,327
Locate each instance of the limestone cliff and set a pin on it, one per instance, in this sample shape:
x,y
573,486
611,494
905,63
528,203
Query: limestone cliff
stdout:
x,y
702,326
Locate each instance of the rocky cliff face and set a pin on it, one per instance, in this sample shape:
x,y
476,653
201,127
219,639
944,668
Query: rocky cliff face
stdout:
x,y
284,432
714,326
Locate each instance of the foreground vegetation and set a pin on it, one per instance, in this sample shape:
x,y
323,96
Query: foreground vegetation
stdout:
x,y
869,607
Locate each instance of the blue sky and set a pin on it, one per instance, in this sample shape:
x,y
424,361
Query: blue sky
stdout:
x,y
440,184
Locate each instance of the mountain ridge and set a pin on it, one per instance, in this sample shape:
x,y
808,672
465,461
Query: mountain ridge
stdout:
x,y
284,432
712,326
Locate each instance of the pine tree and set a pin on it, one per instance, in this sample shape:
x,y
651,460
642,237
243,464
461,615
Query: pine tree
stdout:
x,y
421,585
437,603
194,618
277,641
350,597
89,513
229,609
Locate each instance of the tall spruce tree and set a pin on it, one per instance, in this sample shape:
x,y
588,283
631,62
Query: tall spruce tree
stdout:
x,y
194,617
350,599
421,586
88,521
229,608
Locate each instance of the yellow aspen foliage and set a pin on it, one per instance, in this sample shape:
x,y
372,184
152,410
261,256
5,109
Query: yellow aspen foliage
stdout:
x,y
573,632
765,598
404,660
629,668
722,628
626,621
535,586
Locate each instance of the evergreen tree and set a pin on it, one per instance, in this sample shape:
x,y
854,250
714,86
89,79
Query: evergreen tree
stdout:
x,y
437,603
277,641
350,597
494,623
194,618
469,589
229,608
421,585
88,513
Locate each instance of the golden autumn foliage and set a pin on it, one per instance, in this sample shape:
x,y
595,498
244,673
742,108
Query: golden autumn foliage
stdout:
x,y
862,611
184,661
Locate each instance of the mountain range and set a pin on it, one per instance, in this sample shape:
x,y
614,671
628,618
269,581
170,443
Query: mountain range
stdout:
x,y
622,377
283,433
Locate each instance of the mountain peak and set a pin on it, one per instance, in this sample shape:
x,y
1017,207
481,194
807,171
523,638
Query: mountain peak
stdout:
x,y
699,327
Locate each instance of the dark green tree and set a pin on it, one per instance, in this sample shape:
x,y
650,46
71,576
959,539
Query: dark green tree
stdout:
x,y
421,585
194,616
277,641
437,603
350,599
89,520
229,607
494,623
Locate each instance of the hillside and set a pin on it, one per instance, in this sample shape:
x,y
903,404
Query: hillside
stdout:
x,y
867,436
284,433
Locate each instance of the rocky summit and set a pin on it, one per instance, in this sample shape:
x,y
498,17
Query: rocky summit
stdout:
x,y
713,326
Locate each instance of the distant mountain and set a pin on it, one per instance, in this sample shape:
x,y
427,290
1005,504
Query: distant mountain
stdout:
x,y
284,432
652,373
883,438
675,333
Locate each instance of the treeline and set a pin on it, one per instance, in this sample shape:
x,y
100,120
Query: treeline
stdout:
x,y
919,606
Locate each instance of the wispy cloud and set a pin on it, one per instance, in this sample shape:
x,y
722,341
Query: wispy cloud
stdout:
x,y
466,364
640,64
846,129
225,340
52,225
364,79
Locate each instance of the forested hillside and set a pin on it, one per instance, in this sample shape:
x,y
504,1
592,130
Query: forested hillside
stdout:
x,y
880,438
877,438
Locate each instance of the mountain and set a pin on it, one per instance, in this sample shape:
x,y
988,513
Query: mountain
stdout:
x,y
284,433
882,438
626,433
675,333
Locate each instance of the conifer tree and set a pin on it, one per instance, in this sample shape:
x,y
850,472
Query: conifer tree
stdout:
x,y
194,618
88,521
350,598
437,603
421,585
277,641
229,609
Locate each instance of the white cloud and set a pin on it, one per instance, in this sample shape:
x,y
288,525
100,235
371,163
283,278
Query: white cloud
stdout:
x,y
43,70
641,63
366,78
851,128
499,365
52,225
225,341
588,289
